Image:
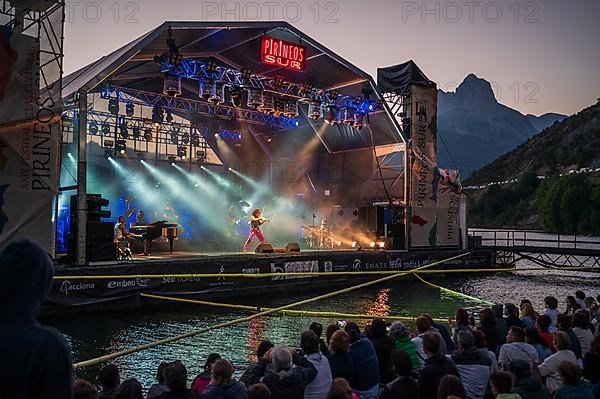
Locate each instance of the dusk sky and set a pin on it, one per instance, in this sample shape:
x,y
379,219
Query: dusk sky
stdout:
x,y
543,56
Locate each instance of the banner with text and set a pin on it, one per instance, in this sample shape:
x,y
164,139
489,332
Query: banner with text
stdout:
x,y
423,186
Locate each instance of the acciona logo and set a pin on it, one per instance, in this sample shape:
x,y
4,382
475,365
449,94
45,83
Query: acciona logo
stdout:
x,y
67,287
138,282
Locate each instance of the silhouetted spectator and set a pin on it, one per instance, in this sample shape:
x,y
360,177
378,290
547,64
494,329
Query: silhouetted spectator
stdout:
x,y
487,319
259,391
176,380
82,389
451,387
35,360
501,383
579,324
563,323
246,376
473,366
436,366
461,323
319,386
501,324
340,360
129,389
580,299
404,386
591,365
523,382
222,385
317,328
109,380
329,332
203,379
573,386
448,344
512,316
479,338
366,366
383,345
158,389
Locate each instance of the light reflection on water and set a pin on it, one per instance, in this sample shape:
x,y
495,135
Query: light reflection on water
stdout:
x,y
92,336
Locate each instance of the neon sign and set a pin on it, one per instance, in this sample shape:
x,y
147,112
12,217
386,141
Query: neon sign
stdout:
x,y
283,54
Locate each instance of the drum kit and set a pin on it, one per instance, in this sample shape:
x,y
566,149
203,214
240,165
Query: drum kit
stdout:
x,y
317,237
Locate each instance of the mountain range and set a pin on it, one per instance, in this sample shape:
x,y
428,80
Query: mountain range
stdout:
x,y
474,128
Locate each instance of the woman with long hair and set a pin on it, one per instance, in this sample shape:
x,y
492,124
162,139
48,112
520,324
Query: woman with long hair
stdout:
x,y
528,315
256,220
533,338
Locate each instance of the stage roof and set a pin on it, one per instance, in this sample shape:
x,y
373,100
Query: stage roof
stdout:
x,y
237,44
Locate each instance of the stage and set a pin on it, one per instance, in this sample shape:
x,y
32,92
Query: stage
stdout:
x,y
111,285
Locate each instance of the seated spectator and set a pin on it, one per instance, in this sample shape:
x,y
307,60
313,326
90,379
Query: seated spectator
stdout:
x,y
543,325
203,379
317,328
157,389
383,345
436,366
572,305
502,386
516,348
501,324
474,368
462,323
549,368
246,376
563,323
404,386
479,338
580,328
487,319
366,366
340,389
451,388
512,316
424,326
449,345
591,365
533,338
82,389
340,360
287,375
176,380
523,382
36,360
329,332
580,299
573,387
109,380
400,334
528,315
552,312
129,389
319,386
222,385
259,391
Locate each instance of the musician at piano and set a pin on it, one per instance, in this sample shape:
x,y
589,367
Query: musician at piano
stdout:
x,y
121,233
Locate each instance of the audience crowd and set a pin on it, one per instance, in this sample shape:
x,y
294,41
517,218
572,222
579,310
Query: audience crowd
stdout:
x,y
511,352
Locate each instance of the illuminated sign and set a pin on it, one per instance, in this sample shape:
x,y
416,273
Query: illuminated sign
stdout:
x,y
283,54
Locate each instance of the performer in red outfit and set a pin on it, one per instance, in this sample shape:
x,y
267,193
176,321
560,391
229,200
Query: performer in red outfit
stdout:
x,y
256,220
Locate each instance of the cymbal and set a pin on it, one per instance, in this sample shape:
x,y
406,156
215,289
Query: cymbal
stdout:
x,y
243,203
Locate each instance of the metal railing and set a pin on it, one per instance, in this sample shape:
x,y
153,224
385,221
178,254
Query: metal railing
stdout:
x,y
529,238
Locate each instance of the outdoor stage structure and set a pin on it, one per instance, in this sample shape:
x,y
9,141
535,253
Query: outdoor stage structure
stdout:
x,y
198,123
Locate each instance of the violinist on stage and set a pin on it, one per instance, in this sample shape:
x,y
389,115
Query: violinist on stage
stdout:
x,y
256,220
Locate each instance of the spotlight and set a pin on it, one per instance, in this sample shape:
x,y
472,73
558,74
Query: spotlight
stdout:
x,y
381,244
268,105
200,154
348,116
372,244
169,118
105,129
157,115
359,120
314,110
195,139
136,132
174,137
332,115
279,107
235,94
185,138
171,158
108,152
305,90
290,109
129,109
181,152
123,130
269,139
216,135
113,106
354,244
93,127
121,146
148,134
172,85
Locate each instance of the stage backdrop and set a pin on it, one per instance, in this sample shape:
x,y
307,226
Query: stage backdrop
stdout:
x,y
28,149
423,160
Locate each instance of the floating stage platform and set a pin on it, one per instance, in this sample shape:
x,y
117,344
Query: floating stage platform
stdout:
x,y
112,285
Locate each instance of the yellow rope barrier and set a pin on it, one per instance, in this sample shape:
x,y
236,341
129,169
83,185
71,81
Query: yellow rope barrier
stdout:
x,y
263,275
290,312
192,333
454,293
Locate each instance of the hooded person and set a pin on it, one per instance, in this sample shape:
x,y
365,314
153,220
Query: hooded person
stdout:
x,y
383,345
222,386
287,375
36,360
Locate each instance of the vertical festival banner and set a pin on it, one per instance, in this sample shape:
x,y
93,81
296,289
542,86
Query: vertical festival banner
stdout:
x,y
423,190
448,202
29,144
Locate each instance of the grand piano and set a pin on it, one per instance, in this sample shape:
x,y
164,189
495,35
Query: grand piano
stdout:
x,y
154,230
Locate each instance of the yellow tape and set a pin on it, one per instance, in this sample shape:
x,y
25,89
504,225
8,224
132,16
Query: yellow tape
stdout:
x,y
455,293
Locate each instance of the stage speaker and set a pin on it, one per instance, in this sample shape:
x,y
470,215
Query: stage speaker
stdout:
x,y
265,248
101,251
100,232
292,247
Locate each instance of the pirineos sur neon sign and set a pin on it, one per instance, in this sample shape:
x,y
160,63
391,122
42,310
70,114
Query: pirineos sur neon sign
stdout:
x,y
283,54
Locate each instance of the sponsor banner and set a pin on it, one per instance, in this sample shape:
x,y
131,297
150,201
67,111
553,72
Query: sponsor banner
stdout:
x,y
423,225
76,292
448,229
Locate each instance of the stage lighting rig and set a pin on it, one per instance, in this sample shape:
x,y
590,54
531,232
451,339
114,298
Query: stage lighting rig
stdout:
x,y
105,129
113,105
348,116
136,132
181,152
185,138
123,130
169,117
314,110
359,120
121,146
171,85
332,115
255,98
174,137
148,134
195,139
158,115
129,109
93,128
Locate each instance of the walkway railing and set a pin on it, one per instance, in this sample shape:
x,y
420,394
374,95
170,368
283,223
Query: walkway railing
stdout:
x,y
529,238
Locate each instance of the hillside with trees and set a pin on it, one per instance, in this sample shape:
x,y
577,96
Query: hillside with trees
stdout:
x,y
556,181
